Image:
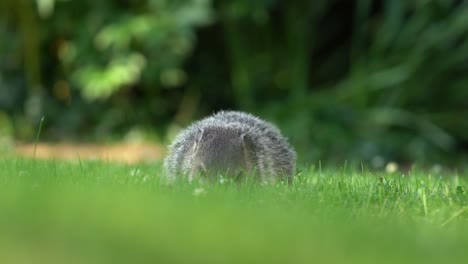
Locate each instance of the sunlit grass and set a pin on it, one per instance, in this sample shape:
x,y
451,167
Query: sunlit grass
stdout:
x,y
95,212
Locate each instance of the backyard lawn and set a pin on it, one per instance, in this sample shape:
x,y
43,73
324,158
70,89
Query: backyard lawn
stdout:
x,y
102,212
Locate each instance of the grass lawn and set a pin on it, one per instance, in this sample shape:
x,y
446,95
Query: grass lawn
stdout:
x,y
98,212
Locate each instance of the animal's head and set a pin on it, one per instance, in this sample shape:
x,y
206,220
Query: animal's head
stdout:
x,y
220,150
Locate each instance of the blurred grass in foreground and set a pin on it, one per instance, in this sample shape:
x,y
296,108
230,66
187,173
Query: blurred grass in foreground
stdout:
x,y
94,212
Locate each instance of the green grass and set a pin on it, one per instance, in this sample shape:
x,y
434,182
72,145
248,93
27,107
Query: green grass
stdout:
x,y
96,212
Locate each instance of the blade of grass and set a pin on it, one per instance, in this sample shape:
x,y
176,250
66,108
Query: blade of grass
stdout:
x,y
37,136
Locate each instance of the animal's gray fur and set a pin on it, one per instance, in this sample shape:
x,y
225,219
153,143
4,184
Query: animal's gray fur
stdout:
x,y
231,141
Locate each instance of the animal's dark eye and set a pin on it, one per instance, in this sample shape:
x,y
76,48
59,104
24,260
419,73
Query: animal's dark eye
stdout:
x,y
201,172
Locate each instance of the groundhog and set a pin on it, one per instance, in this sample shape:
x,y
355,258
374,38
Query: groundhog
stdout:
x,y
231,144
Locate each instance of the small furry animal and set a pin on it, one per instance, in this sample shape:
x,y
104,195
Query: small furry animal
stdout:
x,y
231,143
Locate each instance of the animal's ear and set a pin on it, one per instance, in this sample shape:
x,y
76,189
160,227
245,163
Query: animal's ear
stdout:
x,y
198,135
196,139
247,142
248,149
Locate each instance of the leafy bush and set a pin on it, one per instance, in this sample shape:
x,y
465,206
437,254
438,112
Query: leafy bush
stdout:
x,y
358,80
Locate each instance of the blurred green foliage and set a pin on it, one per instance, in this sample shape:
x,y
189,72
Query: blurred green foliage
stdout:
x,y
345,80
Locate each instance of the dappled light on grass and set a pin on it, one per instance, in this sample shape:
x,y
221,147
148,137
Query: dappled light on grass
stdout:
x,y
95,212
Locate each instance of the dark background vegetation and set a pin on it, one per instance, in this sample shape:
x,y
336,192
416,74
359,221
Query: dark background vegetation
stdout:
x,y
364,80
